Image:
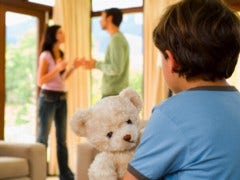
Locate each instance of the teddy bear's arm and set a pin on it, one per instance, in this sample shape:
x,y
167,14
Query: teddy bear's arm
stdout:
x,y
102,168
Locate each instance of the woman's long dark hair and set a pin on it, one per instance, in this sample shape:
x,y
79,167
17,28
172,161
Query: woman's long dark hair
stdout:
x,y
50,40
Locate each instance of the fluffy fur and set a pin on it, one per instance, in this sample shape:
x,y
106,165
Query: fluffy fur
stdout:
x,y
112,126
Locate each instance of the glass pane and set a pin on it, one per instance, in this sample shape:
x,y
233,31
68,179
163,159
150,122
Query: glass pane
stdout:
x,y
44,2
131,27
98,5
20,74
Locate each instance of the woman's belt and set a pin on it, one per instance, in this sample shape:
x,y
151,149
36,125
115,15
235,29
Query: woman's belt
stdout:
x,y
53,94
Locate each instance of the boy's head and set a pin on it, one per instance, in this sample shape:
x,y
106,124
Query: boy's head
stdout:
x,y
203,37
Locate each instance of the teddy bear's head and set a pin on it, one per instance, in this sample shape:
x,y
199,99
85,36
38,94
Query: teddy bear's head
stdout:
x,y
112,124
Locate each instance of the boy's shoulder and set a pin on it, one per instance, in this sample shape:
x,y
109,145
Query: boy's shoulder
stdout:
x,y
198,108
201,96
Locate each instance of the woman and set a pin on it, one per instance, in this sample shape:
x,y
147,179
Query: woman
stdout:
x,y
52,101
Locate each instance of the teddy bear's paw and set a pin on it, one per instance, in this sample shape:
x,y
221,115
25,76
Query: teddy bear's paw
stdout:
x,y
101,176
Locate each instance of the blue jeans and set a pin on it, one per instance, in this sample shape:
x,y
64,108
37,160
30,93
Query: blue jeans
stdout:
x,y
49,109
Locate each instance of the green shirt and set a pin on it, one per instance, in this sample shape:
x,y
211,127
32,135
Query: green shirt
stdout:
x,y
115,67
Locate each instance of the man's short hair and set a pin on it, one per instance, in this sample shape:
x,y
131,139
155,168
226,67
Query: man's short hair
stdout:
x,y
203,36
116,15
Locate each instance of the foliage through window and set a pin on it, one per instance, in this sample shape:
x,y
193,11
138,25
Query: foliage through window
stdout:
x,y
20,77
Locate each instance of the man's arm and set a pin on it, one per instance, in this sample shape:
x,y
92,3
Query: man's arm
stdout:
x,y
129,176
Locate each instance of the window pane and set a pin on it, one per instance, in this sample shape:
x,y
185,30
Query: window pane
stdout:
x,y
99,5
44,2
131,27
20,77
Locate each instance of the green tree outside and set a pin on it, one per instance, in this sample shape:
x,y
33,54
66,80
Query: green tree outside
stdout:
x,y
21,76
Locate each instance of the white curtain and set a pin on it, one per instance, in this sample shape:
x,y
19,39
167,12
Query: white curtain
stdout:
x,y
74,17
235,78
155,89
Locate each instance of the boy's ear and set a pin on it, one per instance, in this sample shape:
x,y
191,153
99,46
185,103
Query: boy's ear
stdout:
x,y
171,60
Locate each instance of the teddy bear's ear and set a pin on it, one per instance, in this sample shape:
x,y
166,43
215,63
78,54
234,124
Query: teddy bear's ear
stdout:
x,y
79,120
133,96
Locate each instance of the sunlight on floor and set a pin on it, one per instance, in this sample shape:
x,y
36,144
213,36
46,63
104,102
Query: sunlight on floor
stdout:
x,y
53,178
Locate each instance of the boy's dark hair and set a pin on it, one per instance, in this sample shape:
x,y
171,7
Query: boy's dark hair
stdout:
x,y
116,15
203,36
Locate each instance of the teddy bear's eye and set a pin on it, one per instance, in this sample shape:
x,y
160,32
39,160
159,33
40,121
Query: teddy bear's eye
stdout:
x,y
129,121
109,135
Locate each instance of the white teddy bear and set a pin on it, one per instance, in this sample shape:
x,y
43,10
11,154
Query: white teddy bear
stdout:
x,y
112,126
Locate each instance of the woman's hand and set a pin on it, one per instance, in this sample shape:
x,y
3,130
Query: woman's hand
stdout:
x,y
61,64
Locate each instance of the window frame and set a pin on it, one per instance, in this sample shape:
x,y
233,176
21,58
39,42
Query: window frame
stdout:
x,y
124,11
42,12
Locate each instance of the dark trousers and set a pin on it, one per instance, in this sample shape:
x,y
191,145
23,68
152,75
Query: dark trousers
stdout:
x,y
54,108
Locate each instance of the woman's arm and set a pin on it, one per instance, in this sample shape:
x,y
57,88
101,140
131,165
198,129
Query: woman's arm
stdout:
x,y
44,76
77,63
68,72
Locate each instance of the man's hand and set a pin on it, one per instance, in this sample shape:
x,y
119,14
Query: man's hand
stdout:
x,y
79,62
90,64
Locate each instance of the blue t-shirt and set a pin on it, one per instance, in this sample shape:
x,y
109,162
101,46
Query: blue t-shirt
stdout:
x,y
194,135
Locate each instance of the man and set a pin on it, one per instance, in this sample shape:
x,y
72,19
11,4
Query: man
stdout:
x,y
194,135
115,66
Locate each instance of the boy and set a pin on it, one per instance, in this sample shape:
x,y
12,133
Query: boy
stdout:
x,y
194,134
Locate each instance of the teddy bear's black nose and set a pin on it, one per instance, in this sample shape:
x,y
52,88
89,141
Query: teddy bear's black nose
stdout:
x,y
127,137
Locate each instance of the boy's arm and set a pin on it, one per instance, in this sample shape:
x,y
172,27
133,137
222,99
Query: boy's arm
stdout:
x,y
129,176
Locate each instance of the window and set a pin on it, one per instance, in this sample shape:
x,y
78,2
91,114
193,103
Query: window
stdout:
x,y
19,44
132,28
20,88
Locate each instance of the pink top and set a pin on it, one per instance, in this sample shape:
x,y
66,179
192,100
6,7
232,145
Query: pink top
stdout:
x,y
57,82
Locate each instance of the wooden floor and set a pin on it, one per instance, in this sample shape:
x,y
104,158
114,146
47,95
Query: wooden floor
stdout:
x,y
53,178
